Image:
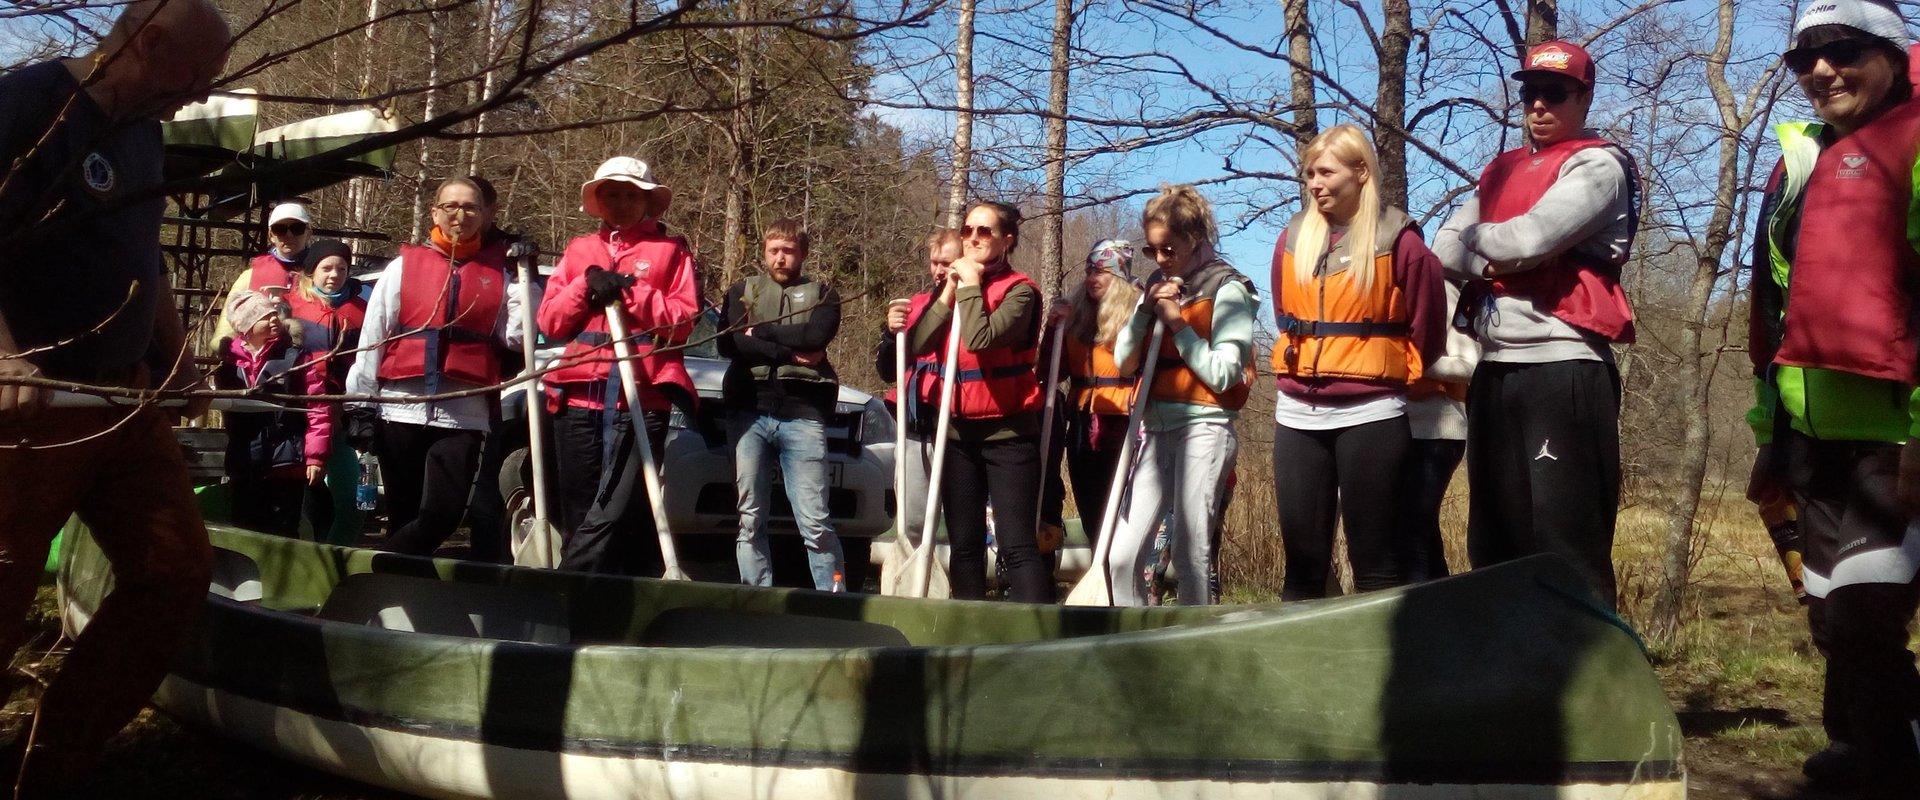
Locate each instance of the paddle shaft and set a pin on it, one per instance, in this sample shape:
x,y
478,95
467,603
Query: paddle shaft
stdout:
x,y
543,554
923,558
900,435
629,383
1094,588
1046,423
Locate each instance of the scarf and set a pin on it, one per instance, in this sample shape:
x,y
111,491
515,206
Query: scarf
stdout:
x,y
335,299
456,251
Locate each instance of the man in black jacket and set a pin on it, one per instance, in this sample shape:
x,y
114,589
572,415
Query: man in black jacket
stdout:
x,y
778,392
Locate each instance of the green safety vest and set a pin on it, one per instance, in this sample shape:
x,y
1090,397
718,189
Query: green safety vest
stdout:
x,y
769,303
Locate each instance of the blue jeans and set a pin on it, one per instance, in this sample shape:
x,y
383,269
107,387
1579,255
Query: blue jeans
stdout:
x,y
802,446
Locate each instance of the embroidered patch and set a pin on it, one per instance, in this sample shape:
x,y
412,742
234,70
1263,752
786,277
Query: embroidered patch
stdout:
x,y
1852,165
98,172
1550,58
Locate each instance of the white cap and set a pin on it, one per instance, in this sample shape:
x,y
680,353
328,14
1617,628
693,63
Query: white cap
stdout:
x,y
1878,19
625,169
289,211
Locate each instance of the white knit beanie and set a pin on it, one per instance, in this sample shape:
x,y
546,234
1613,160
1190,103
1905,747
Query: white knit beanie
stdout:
x,y
1877,18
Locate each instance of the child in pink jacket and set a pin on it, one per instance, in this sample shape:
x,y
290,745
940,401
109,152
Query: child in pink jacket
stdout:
x,y
276,460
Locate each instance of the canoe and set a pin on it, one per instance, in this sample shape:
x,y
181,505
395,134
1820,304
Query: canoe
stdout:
x,y
458,680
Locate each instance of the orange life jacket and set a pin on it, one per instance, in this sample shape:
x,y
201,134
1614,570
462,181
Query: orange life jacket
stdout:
x,y
1172,380
1335,329
1098,387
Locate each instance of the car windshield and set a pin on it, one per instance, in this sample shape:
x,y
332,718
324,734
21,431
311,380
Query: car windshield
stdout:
x,y
703,344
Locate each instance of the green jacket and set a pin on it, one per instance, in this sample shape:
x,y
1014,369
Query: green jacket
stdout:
x,y
1824,404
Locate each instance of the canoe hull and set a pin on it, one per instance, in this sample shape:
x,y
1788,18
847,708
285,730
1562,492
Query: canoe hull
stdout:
x,y
1325,700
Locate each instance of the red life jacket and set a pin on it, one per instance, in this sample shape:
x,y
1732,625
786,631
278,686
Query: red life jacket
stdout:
x,y
447,315
1855,271
589,355
996,383
326,329
1581,290
265,270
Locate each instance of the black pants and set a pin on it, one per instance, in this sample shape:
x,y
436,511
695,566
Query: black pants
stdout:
x,y
1424,474
1543,458
1093,453
1354,470
429,475
1006,473
605,509
1848,499
272,504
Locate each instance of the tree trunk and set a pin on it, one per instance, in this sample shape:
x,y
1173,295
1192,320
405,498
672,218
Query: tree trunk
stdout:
x,y
1696,365
422,192
740,164
1543,21
1391,107
490,36
1306,118
963,119
1053,234
360,192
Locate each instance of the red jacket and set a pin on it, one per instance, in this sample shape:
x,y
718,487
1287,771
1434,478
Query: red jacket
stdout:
x,y
1581,290
993,383
661,308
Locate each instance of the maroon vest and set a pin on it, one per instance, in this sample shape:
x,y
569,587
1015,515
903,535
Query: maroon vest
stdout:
x,y
1579,289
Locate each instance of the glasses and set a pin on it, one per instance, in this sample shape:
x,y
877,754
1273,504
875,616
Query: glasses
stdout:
x,y
1552,94
1840,55
464,209
1155,252
978,231
289,228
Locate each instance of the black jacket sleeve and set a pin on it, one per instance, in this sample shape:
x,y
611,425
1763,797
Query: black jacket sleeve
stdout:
x,y
736,344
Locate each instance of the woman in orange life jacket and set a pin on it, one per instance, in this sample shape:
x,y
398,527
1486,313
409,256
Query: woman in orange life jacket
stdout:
x,y
1091,317
632,261
1202,374
329,308
993,449
439,321
1361,310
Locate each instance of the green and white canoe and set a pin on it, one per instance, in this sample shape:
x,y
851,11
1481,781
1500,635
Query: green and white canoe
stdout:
x,y
460,680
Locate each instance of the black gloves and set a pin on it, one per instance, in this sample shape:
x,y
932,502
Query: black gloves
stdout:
x,y
604,288
362,423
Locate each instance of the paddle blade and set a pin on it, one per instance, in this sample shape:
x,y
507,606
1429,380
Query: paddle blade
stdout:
x,y
675,573
1092,590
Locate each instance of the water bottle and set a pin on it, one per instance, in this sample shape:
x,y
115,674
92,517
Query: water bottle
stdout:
x,y
367,493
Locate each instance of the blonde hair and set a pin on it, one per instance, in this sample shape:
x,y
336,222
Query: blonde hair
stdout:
x,y
1349,145
1184,213
1101,323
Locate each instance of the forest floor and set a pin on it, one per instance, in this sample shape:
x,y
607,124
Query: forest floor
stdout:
x,y
1745,682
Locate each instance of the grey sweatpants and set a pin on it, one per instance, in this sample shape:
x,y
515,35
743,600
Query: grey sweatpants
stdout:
x,y
1184,469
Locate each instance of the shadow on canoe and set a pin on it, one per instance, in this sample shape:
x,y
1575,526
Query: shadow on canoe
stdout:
x,y
453,679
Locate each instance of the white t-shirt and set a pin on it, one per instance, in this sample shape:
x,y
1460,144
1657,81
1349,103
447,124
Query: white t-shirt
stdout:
x,y
1305,415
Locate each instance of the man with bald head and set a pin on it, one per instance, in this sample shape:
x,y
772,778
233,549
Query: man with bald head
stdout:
x,y
84,297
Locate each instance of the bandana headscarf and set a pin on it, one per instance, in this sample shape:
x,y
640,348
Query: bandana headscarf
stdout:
x,y
1115,256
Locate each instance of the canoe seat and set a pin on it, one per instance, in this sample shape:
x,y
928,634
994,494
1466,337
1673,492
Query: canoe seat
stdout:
x,y
235,577
717,627
424,605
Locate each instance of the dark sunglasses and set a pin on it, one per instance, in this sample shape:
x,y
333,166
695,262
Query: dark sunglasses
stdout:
x,y
290,228
1840,54
981,231
1149,250
1552,94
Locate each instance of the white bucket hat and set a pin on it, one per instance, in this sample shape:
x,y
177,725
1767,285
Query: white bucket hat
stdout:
x,y
296,212
625,169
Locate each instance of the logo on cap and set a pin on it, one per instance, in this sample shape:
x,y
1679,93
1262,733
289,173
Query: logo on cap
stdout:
x,y
1553,59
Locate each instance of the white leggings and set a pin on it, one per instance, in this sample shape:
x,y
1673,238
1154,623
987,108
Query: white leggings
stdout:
x,y
1185,468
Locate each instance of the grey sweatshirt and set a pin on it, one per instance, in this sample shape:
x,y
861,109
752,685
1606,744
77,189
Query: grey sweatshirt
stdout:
x,y
1587,210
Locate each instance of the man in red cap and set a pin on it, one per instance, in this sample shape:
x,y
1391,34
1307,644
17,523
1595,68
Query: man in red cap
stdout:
x,y
1543,238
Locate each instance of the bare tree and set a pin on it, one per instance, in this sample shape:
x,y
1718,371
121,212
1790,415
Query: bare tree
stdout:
x,y
1306,119
1053,231
963,118
1390,110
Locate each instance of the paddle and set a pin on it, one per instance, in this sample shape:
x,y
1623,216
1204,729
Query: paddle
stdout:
x,y
923,557
1094,589
64,399
1046,422
629,383
539,544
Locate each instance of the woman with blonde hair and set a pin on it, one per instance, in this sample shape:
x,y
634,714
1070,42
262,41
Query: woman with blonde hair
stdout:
x,y
1360,307
1091,317
1202,374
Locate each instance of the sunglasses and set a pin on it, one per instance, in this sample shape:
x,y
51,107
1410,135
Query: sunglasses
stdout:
x,y
1150,251
978,231
1840,54
289,228
1552,94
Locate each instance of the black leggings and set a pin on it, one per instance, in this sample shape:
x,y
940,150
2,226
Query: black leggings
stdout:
x,y
1424,475
1091,463
1007,473
1354,470
429,475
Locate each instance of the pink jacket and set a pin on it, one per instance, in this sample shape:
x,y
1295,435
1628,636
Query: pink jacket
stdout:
x,y
663,303
248,365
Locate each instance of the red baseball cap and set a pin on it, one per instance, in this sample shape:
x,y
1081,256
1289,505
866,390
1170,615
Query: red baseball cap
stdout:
x,y
1557,57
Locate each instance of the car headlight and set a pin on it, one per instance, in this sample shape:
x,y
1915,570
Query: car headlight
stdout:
x,y
876,424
